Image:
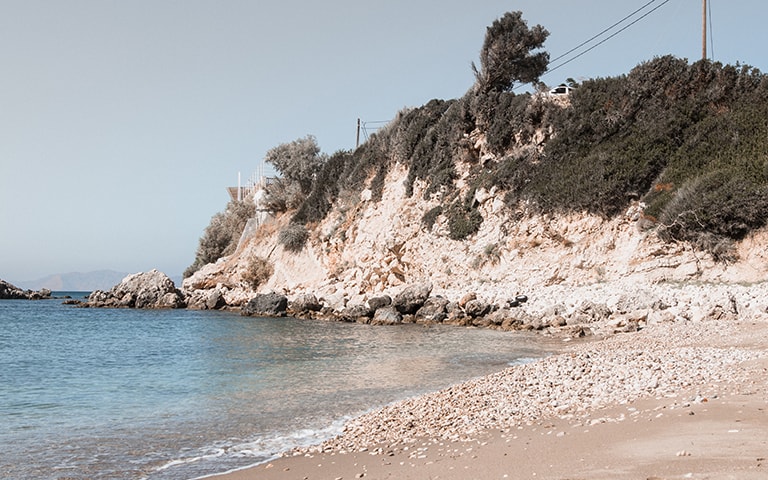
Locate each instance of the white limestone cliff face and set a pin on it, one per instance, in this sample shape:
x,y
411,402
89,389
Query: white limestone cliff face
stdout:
x,y
370,248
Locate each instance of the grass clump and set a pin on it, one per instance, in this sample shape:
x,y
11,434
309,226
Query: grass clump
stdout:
x,y
258,271
293,237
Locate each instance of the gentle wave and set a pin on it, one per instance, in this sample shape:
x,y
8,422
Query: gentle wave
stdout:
x,y
173,395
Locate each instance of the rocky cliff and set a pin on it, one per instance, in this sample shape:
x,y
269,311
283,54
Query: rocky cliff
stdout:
x,y
378,248
637,183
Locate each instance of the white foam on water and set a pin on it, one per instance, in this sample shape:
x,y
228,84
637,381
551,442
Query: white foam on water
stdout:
x,y
523,361
265,449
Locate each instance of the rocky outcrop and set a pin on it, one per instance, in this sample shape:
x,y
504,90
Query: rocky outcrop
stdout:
x,y
266,305
378,253
12,292
150,290
304,304
410,299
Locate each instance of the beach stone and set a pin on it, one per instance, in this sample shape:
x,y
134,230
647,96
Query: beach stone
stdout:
x,y
589,312
468,297
377,302
434,309
215,300
497,317
356,313
411,298
476,308
170,300
387,316
306,303
266,304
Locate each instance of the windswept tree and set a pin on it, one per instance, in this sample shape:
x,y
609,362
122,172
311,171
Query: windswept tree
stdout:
x,y
297,161
511,53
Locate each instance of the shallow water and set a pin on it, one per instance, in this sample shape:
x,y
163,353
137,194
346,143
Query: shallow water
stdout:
x,y
177,394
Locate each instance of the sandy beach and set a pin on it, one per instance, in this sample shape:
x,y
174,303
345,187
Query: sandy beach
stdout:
x,y
673,401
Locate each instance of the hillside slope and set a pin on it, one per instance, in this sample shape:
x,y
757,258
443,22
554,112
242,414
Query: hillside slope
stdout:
x,y
379,247
660,175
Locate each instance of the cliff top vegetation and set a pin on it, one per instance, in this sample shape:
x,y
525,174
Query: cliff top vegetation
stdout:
x,y
688,141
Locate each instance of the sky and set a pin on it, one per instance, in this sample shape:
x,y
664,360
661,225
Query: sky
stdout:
x,y
123,121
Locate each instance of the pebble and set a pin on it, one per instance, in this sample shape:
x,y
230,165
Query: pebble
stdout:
x,y
657,362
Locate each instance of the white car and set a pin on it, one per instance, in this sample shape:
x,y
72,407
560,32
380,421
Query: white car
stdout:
x,y
561,90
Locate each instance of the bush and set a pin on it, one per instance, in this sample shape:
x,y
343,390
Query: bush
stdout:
x,y
325,190
293,237
283,195
430,217
297,161
463,220
223,233
258,271
723,204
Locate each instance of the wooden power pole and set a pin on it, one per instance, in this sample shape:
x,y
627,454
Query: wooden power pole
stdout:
x,y
357,140
704,29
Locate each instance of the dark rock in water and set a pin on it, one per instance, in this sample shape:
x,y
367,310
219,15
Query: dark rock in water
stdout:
x,y
412,298
215,300
149,290
266,304
434,309
306,303
377,302
521,298
356,313
387,316
12,292
476,308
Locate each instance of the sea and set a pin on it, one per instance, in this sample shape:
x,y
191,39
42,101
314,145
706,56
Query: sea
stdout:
x,y
182,394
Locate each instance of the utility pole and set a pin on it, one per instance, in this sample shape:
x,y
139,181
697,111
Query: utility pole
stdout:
x,y
357,140
704,29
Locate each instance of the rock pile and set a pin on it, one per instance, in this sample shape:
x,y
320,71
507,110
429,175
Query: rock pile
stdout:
x,y
151,289
12,292
601,309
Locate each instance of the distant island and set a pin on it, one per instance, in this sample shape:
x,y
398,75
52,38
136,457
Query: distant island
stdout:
x,y
75,281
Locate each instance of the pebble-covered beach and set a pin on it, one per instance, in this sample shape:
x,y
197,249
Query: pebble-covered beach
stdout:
x,y
696,346
575,385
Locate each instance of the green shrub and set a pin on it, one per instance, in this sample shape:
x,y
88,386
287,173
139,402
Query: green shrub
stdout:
x,y
283,195
463,220
325,190
293,237
258,271
297,161
723,203
430,217
223,233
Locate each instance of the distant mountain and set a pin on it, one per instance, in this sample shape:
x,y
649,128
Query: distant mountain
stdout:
x,y
76,281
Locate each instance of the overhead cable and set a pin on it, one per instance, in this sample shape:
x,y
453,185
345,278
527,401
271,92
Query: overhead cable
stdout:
x,y
607,38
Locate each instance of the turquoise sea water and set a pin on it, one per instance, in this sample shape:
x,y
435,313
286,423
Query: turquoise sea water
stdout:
x,y
178,394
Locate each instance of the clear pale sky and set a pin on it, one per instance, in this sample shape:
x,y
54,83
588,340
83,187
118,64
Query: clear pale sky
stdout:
x,y
122,121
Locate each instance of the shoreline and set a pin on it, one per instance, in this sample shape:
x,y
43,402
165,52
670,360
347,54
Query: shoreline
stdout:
x,y
666,402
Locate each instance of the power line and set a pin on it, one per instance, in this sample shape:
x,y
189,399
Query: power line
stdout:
x,y
608,37
363,127
601,33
